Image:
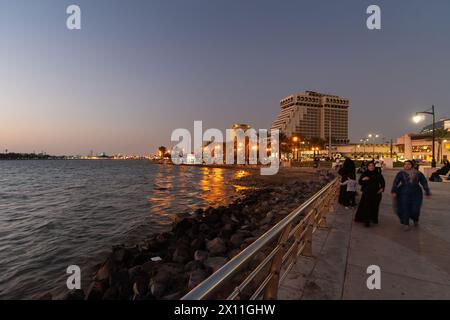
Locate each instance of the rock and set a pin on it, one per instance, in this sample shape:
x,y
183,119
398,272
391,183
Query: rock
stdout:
x,y
204,228
233,253
104,272
197,243
212,218
95,291
229,227
181,254
236,240
140,287
149,266
119,278
192,265
215,263
173,296
162,238
49,296
167,272
182,227
120,255
257,233
197,213
225,219
216,246
112,293
196,277
77,294
135,271
200,255
157,288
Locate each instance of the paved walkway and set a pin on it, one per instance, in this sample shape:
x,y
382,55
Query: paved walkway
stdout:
x,y
414,264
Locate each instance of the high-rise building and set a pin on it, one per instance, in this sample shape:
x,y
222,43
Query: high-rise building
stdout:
x,y
308,114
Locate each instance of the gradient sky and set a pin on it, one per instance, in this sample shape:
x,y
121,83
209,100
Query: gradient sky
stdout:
x,y
139,69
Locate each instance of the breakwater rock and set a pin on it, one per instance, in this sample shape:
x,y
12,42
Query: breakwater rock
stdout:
x,y
169,264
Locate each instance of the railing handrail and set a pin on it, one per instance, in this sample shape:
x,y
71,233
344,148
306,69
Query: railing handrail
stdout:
x,y
215,281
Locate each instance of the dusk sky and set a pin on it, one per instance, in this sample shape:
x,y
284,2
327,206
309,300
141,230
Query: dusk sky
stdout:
x,y
139,69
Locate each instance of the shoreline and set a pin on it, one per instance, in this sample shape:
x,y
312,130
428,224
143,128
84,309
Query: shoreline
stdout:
x,y
169,264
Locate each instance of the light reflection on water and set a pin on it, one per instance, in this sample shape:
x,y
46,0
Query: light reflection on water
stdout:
x,y
57,213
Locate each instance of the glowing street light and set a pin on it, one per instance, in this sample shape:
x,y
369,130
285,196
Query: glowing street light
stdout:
x,y
420,116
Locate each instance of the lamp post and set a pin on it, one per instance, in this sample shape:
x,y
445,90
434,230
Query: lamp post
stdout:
x,y
364,141
373,137
418,118
295,147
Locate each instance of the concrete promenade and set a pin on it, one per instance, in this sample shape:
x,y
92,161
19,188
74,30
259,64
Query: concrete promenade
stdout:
x,y
414,264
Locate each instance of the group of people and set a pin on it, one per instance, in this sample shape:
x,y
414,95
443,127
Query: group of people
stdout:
x,y
442,174
406,192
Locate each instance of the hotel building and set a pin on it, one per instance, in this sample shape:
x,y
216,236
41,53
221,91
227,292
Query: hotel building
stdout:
x,y
308,115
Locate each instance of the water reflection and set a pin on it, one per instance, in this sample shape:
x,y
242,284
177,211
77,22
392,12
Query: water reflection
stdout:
x,y
212,186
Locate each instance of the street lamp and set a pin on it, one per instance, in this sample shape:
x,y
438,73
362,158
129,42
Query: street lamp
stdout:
x,y
295,147
373,137
364,141
420,116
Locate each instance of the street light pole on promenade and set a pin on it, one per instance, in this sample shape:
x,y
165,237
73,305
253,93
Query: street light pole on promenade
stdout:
x,y
373,137
417,118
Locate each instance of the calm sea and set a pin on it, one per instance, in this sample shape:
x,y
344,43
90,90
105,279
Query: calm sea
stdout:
x,y
58,213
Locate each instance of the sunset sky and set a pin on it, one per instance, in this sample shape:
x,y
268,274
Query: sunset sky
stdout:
x,y
139,69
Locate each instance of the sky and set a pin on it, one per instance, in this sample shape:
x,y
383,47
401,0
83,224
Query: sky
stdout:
x,y
139,69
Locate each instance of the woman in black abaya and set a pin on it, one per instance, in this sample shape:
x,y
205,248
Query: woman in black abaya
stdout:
x,y
373,185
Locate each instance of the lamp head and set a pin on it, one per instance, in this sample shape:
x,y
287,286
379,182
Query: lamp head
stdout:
x,y
417,118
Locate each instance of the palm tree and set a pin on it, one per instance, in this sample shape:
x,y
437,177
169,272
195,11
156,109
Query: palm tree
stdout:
x,y
317,142
285,144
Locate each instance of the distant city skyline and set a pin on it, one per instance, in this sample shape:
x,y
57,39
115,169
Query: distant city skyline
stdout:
x,y
137,71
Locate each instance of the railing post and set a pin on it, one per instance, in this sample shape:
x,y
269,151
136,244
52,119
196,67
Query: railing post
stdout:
x,y
271,290
307,251
298,240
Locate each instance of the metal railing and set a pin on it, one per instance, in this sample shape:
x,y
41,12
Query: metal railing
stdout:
x,y
257,271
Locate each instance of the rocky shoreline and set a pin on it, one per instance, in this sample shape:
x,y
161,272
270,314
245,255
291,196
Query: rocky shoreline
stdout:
x,y
167,265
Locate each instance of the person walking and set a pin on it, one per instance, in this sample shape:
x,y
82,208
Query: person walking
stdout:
x,y
348,169
378,164
350,197
373,184
408,195
363,167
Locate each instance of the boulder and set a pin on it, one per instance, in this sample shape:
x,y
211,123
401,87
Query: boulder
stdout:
x,y
200,255
119,255
112,293
196,277
215,263
49,296
216,246
192,265
157,289
140,287
181,254
237,239
77,294
95,291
